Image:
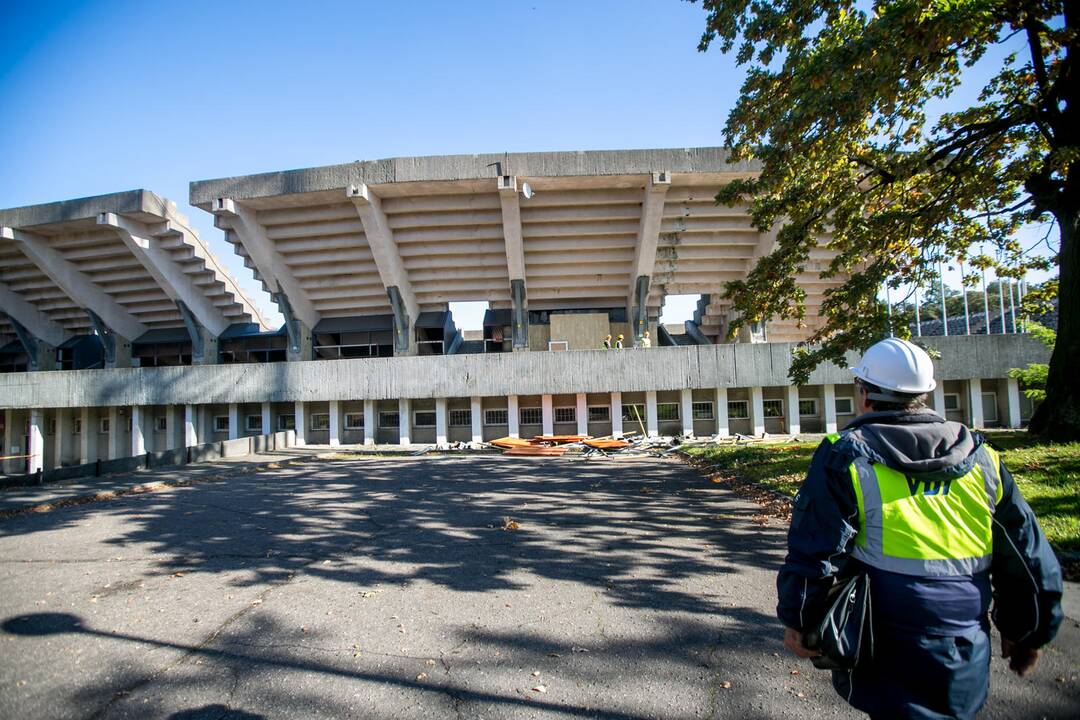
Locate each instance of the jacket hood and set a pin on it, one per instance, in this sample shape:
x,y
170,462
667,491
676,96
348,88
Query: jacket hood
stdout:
x,y
915,443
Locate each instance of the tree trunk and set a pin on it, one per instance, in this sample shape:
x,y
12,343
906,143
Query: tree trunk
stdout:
x,y
1058,417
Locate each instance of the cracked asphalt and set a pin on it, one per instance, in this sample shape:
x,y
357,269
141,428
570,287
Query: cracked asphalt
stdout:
x,y
388,588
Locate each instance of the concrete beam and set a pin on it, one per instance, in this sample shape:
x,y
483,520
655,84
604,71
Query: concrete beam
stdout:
x,y
652,213
384,250
16,307
75,284
515,259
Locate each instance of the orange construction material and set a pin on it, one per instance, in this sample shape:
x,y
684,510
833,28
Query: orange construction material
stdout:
x,y
536,450
607,444
559,439
509,442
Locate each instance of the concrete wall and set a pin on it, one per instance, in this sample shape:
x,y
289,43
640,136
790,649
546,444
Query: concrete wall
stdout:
x,y
583,331
530,373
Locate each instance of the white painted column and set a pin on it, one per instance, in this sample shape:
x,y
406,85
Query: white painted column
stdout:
x,y
116,434
170,427
63,426
84,436
830,408
581,414
721,413
234,421
512,416
616,415
939,398
300,420
652,425
975,402
1012,399
335,423
440,422
547,416
404,422
191,425
686,412
476,419
370,427
9,439
757,411
794,424
138,438
36,449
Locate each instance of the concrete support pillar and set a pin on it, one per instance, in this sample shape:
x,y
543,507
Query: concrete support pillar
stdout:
x,y
36,448
1012,400
794,425
267,420
757,411
170,427
440,422
547,415
191,425
652,425
476,419
720,413
939,399
975,402
84,436
234,421
512,416
616,415
370,426
116,434
582,413
138,438
9,440
300,420
335,423
63,427
686,412
830,408
404,422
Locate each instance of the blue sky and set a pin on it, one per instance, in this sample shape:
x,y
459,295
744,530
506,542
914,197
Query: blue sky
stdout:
x,y
107,96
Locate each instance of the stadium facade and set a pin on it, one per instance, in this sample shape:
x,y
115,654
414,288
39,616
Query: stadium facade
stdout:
x,y
120,335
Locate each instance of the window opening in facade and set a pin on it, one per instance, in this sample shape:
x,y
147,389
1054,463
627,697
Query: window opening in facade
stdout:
x,y
531,416
566,414
497,416
738,409
773,408
460,418
702,410
599,413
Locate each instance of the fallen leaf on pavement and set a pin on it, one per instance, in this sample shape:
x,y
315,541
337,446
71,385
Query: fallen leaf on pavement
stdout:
x,y
726,685
421,676
510,523
540,689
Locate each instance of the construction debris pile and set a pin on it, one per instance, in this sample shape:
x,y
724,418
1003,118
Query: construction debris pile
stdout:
x,y
629,445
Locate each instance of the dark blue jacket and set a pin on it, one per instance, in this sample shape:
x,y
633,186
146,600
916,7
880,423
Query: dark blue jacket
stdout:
x,y
1024,578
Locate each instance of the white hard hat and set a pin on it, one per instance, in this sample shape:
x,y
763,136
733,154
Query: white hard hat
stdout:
x,y
897,365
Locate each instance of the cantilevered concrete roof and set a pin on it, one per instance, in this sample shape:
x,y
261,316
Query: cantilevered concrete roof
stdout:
x,y
129,258
333,239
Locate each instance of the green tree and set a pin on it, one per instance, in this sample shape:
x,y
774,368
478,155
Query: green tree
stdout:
x,y
1034,375
836,106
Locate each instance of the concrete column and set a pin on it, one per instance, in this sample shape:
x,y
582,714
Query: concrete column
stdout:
x,y
720,413
440,422
170,427
116,434
63,426
9,435
191,425
794,424
686,412
234,421
830,408
300,417
975,402
476,417
582,413
335,423
757,411
84,436
512,416
138,438
616,415
36,448
939,398
547,415
652,425
1012,400
267,420
369,422
404,422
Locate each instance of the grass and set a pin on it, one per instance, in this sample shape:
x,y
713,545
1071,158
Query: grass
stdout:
x,y
1048,475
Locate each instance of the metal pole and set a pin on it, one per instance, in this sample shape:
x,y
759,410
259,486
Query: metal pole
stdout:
x,y
1012,307
888,305
1020,289
1001,304
963,289
986,304
918,316
944,312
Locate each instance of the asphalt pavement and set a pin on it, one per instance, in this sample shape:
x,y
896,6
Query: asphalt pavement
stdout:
x,y
429,587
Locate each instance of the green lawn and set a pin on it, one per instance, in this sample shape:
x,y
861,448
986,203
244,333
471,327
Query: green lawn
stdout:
x,y
1048,475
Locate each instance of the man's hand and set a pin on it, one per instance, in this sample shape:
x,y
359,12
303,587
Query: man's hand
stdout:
x,y
1022,661
793,641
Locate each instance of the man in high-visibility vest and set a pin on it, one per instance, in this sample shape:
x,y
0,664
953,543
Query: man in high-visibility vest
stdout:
x,y
928,510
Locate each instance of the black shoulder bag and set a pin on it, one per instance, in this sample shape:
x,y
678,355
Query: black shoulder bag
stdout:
x,y
845,636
